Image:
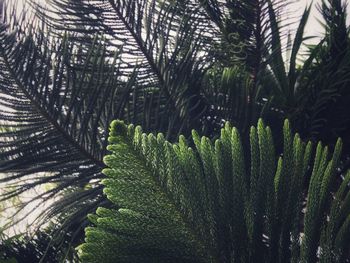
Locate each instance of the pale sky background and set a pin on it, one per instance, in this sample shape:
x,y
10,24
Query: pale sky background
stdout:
x,y
313,26
296,9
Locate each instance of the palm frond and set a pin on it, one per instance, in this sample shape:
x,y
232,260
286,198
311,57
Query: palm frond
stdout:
x,y
169,42
57,96
326,75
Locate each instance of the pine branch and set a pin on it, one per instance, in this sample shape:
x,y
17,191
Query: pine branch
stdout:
x,y
220,211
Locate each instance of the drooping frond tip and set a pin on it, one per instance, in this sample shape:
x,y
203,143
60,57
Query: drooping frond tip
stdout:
x,y
118,128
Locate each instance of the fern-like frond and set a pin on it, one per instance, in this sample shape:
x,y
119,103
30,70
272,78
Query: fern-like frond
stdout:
x,y
174,203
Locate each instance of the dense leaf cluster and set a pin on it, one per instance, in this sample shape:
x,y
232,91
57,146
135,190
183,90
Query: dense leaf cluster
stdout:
x,y
176,203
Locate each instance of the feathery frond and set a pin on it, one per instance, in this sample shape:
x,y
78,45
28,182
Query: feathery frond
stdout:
x,y
175,203
58,96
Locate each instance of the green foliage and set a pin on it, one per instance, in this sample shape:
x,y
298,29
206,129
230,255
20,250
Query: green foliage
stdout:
x,y
216,201
170,66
